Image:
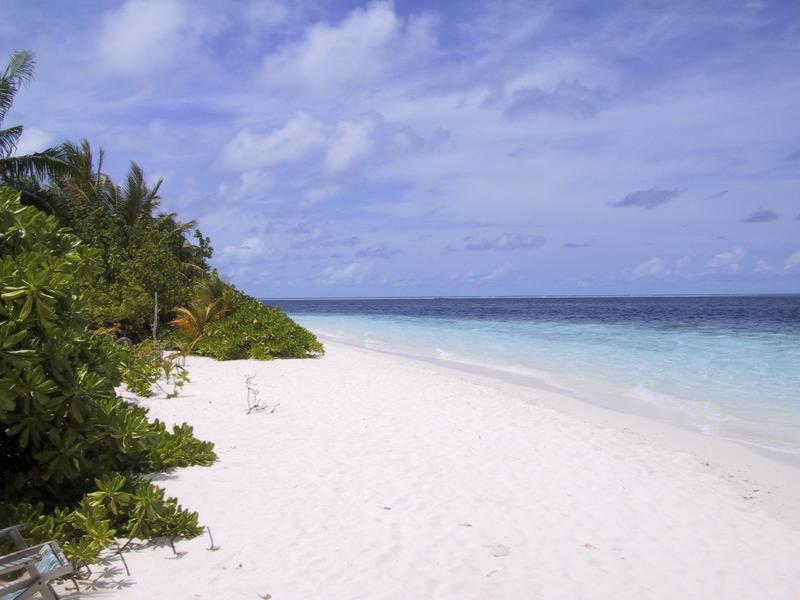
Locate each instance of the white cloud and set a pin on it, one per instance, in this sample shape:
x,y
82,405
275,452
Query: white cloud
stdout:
x,y
351,273
351,141
370,41
792,263
655,267
729,260
147,35
683,262
250,251
291,142
33,140
764,268
251,184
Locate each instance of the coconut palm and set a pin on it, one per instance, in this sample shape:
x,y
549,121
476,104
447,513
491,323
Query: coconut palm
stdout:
x,y
17,171
189,254
87,185
212,299
137,200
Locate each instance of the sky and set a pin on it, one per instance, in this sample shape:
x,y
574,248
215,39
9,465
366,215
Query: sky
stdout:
x,y
443,148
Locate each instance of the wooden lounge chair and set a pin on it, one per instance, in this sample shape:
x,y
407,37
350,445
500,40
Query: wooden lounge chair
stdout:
x,y
36,567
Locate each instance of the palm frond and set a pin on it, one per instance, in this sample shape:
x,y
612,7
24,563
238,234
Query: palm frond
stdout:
x,y
17,74
44,165
176,227
20,67
9,138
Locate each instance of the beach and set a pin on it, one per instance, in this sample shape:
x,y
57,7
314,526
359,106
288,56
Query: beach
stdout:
x,y
374,476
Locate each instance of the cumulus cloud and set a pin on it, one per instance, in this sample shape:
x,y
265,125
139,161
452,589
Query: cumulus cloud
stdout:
x,y
351,141
717,195
293,141
250,184
369,42
762,215
380,251
792,263
578,244
350,273
655,267
728,261
146,35
764,268
507,241
250,251
647,199
682,263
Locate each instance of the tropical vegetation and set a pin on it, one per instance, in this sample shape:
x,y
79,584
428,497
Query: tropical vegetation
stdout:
x,y
253,330
86,262
73,454
37,166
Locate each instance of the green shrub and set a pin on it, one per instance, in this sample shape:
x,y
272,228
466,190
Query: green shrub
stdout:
x,y
146,364
253,330
73,454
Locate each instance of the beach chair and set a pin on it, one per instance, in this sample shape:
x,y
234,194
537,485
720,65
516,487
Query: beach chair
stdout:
x,y
36,567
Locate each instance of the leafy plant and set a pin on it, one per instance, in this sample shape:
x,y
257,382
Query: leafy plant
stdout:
x,y
19,169
140,366
253,330
146,365
72,453
211,299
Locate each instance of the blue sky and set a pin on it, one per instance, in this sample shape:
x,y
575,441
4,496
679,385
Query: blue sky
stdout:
x,y
412,148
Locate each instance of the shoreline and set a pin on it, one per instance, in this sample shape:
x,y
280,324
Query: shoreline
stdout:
x,y
727,457
385,478
601,401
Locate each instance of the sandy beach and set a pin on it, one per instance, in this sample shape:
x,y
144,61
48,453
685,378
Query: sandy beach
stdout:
x,y
385,478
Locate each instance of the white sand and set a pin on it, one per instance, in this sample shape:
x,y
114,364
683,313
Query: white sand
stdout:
x,y
384,478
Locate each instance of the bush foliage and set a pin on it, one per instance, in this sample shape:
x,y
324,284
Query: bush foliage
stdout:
x,y
142,252
72,453
81,256
147,365
253,330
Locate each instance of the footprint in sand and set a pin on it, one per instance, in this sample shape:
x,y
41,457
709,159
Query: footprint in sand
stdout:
x,y
498,550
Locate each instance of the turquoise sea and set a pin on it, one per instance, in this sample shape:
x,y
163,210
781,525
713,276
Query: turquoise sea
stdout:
x,y
725,366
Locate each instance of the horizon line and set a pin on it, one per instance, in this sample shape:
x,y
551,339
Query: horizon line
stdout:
x,y
521,296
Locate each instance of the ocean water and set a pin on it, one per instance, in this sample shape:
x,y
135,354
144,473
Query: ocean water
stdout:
x,y
725,366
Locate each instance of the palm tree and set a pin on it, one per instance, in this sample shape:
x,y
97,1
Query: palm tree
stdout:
x,y
189,255
212,299
87,185
137,200
18,171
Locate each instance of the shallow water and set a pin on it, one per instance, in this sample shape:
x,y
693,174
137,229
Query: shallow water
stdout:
x,y
726,366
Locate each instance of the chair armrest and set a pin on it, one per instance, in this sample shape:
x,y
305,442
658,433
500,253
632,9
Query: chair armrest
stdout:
x,y
47,560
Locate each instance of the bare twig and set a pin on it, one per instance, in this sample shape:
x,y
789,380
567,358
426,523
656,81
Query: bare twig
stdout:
x,y
124,562
213,547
